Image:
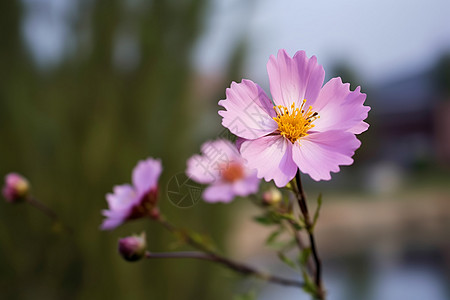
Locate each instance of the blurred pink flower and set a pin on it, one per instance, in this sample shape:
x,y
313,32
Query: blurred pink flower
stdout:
x,y
16,187
135,201
311,128
222,167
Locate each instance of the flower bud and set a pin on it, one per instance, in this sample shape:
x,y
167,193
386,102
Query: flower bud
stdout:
x,y
272,196
16,188
132,248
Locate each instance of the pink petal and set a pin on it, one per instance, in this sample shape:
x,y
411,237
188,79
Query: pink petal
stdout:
x,y
340,109
200,170
294,79
219,192
239,142
271,156
320,153
122,198
359,128
114,218
220,150
146,175
110,224
247,186
249,111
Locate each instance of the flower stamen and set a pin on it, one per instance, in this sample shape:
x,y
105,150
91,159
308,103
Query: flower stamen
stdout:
x,y
232,172
294,122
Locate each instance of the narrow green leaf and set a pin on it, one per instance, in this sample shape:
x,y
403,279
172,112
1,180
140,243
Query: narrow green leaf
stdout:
x,y
268,218
271,239
286,260
283,246
316,214
264,220
202,239
304,256
298,226
288,217
309,286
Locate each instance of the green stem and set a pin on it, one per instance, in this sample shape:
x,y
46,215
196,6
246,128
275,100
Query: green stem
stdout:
x,y
301,197
48,212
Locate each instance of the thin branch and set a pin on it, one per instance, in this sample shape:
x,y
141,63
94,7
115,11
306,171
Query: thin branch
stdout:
x,y
48,212
237,267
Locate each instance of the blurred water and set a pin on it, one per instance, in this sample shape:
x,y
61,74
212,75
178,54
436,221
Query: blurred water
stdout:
x,y
409,282
390,282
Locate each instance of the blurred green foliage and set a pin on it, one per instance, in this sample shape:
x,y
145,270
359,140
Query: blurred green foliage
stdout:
x,y
79,128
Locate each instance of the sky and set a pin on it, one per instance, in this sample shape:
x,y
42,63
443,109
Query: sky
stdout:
x,y
45,29
380,39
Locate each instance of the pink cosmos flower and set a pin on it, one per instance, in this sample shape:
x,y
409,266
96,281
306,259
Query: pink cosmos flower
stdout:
x,y
135,201
309,127
222,167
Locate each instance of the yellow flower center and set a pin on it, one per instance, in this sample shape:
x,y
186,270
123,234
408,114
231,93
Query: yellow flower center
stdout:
x,y
294,122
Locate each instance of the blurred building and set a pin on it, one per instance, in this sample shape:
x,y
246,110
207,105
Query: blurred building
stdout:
x,y
411,116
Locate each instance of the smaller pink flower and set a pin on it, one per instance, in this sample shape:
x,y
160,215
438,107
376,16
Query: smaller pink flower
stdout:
x,y
223,168
16,187
129,202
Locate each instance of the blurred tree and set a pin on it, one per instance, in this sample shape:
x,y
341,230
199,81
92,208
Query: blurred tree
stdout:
x,y
347,74
119,94
442,75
